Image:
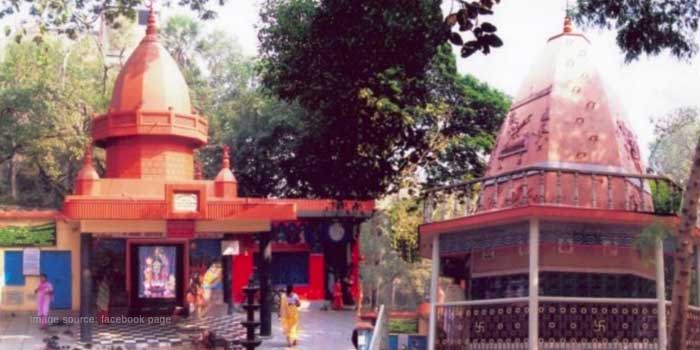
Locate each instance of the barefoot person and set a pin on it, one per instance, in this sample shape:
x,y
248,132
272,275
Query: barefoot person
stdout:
x,y
44,295
289,315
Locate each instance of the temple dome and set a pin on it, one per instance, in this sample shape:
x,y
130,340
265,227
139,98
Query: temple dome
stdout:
x,y
564,116
151,80
150,129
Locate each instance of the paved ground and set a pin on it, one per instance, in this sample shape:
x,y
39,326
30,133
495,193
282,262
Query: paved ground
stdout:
x,y
17,333
320,330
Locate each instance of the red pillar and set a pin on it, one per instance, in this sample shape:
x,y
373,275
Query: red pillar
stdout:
x,y
242,269
355,261
316,276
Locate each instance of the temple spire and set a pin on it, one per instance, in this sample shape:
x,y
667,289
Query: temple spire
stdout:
x,y
87,157
151,28
226,161
568,28
225,183
87,176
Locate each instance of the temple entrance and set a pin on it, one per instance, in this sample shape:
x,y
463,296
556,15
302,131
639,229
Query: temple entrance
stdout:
x,y
288,268
337,267
157,277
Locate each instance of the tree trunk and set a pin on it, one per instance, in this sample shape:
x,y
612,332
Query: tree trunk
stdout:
x,y
684,257
13,177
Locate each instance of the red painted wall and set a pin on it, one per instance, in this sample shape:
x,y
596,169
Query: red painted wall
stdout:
x,y
242,267
316,277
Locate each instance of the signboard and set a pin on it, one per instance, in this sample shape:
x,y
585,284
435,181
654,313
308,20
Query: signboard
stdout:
x,y
230,248
185,202
30,261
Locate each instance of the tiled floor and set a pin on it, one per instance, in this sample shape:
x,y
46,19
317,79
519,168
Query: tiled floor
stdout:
x,y
145,334
320,330
18,333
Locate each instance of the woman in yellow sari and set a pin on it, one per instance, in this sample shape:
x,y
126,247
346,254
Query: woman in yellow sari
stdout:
x,y
289,315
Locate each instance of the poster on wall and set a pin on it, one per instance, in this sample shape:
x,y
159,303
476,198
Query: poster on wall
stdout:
x,y
230,248
157,271
30,261
205,268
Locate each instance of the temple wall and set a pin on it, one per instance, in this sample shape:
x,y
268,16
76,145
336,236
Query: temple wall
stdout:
x,y
150,158
21,297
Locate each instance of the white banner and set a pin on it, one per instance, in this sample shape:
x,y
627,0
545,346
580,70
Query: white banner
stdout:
x,y
30,261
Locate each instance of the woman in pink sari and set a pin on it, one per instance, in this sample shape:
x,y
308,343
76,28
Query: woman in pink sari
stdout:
x,y
44,295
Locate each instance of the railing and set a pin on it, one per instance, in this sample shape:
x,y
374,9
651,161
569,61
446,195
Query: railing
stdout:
x,y
379,331
550,186
483,324
610,323
564,323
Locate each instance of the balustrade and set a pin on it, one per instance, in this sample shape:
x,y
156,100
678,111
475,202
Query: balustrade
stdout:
x,y
561,187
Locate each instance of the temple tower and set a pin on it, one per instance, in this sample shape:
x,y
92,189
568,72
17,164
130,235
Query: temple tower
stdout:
x,y
150,130
542,252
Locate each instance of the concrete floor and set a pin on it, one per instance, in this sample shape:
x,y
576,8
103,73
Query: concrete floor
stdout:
x,y
319,330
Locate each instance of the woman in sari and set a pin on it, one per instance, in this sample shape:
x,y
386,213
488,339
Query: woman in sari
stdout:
x,y
289,315
44,295
338,295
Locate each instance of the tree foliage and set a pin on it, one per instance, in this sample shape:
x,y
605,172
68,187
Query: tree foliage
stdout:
x,y
380,94
646,26
467,19
405,215
47,92
383,270
672,147
73,17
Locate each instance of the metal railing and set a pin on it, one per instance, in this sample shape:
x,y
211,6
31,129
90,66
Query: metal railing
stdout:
x,y
553,186
380,328
563,323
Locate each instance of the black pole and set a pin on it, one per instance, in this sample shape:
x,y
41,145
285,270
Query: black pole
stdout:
x,y
226,271
265,299
85,287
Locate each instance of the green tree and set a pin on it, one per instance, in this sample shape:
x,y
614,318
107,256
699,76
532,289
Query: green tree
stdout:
x,y
45,108
73,17
374,115
405,215
383,270
672,147
646,27
649,27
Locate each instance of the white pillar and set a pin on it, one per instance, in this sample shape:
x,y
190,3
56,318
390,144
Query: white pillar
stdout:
x,y
534,285
661,295
435,274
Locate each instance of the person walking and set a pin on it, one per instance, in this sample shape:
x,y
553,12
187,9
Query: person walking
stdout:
x,y
289,315
44,297
338,295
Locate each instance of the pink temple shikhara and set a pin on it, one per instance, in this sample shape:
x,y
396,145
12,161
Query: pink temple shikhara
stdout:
x,y
540,253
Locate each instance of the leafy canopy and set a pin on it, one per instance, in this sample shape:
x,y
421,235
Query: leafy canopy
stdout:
x,y
380,94
646,26
47,93
74,17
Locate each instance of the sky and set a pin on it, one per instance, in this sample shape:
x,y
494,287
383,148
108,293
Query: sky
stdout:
x,y
650,87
